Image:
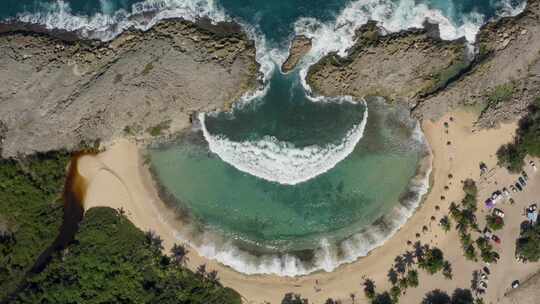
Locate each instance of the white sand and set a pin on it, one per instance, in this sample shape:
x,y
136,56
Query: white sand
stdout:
x,y
119,179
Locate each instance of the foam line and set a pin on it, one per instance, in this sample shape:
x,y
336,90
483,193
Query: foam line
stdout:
x,y
282,162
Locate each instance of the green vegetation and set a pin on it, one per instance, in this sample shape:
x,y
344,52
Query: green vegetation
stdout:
x,y
291,298
528,244
499,94
442,78
526,142
459,296
158,129
30,213
112,261
433,261
494,222
132,129
446,223
486,250
465,218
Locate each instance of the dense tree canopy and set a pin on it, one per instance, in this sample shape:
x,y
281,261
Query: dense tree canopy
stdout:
x,y
527,141
30,213
112,261
528,244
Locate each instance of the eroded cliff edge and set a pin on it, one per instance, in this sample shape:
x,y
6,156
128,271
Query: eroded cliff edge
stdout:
x,y
500,73
57,92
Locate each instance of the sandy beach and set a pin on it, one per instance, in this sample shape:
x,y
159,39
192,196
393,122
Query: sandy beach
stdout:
x,y
119,178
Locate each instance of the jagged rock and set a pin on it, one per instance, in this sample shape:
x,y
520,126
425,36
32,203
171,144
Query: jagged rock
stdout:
x,y
432,75
57,91
404,65
300,46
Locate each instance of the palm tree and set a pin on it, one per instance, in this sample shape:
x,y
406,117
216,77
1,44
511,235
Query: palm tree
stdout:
x,y
445,223
369,288
212,276
408,258
447,270
419,251
400,264
201,270
353,297
179,254
154,240
412,278
392,276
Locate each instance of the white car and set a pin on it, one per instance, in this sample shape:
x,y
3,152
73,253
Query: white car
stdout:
x,y
498,212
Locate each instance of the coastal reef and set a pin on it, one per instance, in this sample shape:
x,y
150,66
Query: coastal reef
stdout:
x,y
59,92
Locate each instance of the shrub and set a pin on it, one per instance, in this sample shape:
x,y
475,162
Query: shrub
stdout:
x,y
494,222
433,261
528,244
511,156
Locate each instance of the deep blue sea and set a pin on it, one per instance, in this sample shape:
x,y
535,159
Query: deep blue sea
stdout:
x,y
287,182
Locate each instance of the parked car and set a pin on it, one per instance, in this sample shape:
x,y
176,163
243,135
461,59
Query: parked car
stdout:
x,y
525,176
532,165
522,181
496,239
486,270
498,212
515,284
518,186
513,188
484,276
506,192
483,284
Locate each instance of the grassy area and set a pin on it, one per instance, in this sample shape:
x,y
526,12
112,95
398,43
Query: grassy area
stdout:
x,y
112,261
444,77
158,129
499,94
30,213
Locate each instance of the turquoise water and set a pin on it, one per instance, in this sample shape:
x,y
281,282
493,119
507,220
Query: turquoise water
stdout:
x,y
286,183
283,217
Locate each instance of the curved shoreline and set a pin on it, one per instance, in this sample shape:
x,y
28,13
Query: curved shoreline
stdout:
x,y
251,260
124,158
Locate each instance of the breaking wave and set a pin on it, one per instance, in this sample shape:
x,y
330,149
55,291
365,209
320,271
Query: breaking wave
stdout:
x,y
279,161
329,254
269,158
338,36
110,23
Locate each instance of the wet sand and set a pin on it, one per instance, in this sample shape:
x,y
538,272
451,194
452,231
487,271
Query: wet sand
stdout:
x,y
118,178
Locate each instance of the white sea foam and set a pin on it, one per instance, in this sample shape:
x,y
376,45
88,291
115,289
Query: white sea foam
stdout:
x,y
339,35
279,161
277,157
328,256
108,24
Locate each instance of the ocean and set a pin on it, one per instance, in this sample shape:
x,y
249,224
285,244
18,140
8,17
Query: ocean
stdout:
x,y
286,182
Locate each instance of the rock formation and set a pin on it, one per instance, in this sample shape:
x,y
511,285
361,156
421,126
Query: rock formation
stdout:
x,y
500,73
300,46
60,92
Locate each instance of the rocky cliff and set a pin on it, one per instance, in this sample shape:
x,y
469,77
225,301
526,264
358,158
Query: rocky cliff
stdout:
x,y
500,73
59,92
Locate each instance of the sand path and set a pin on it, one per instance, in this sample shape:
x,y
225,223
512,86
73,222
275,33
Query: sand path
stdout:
x,y
118,178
